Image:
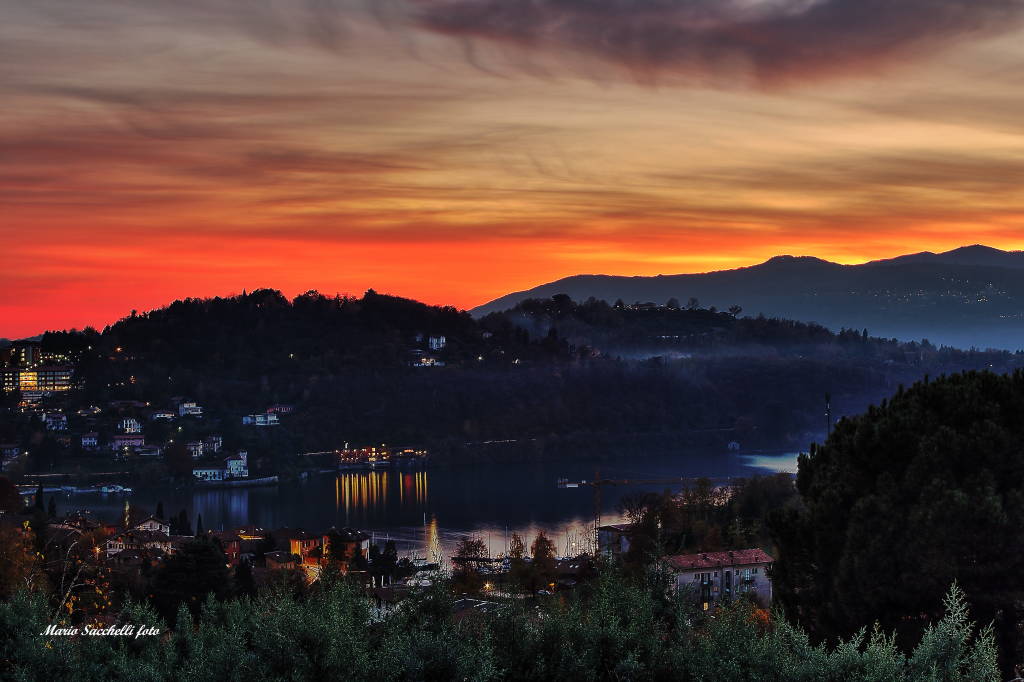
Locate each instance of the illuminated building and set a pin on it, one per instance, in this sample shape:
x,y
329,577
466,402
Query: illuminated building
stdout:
x,y
56,421
262,419
130,425
46,379
123,441
10,379
26,354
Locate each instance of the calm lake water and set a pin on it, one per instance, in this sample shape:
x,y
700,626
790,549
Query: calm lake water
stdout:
x,y
427,511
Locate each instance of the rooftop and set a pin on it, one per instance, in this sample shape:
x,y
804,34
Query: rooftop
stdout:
x,y
736,557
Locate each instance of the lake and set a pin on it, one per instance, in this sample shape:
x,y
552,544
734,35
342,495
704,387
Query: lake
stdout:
x,y
427,511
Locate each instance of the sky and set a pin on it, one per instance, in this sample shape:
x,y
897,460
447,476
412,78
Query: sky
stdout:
x,y
455,150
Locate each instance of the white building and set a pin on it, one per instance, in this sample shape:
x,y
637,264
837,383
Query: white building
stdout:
x,y
130,425
195,448
209,473
189,408
261,419
90,441
155,524
437,342
237,466
56,421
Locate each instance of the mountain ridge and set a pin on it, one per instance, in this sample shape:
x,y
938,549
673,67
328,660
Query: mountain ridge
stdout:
x,y
969,296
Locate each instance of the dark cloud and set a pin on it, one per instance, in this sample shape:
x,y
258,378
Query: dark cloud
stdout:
x,y
767,42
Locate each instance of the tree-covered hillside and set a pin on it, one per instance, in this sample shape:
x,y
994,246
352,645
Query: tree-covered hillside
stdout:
x,y
548,372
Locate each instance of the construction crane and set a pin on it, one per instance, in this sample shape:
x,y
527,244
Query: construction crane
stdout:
x,y
597,483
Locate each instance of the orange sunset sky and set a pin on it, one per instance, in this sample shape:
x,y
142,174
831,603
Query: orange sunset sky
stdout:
x,y
455,150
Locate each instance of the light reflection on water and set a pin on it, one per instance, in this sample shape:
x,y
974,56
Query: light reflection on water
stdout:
x,y
427,512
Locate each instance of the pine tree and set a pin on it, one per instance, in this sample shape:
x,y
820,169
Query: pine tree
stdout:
x,y
39,497
160,509
184,527
51,510
199,525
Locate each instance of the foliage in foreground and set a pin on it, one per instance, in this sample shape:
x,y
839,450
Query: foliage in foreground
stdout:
x,y
921,491
619,631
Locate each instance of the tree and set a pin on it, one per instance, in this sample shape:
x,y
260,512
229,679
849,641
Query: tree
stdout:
x,y
389,559
160,509
19,563
901,501
543,566
735,310
38,501
244,583
471,548
199,525
692,303
10,499
178,458
516,547
466,572
180,525
197,569
672,304
51,509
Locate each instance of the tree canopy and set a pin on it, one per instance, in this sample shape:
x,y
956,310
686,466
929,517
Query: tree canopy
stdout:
x,y
921,491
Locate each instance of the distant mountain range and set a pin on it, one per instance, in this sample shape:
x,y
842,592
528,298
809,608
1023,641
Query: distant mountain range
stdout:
x,y
972,296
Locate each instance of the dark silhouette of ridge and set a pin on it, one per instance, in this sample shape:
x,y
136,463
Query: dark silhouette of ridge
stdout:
x,y
972,296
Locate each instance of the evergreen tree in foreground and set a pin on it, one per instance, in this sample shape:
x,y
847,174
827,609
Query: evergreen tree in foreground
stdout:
x,y
922,491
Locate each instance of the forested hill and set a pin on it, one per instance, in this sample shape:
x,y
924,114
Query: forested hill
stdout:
x,y
375,369
972,296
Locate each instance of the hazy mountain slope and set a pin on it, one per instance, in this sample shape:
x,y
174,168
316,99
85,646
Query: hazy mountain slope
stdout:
x,y
973,296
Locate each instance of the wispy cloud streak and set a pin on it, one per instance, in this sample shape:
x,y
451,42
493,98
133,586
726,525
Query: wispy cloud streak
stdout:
x,y
759,42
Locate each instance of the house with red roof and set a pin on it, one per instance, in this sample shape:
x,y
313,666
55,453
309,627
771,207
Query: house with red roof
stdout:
x,y
714,578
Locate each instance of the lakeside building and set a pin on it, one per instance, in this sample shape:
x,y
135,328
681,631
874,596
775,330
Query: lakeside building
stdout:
x,y
234,467
210,473
90,441
712,578
312,550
